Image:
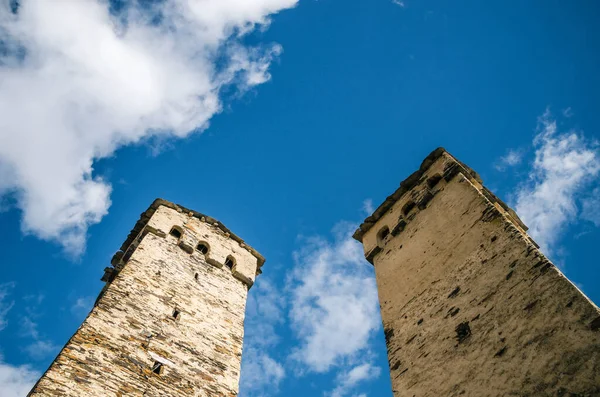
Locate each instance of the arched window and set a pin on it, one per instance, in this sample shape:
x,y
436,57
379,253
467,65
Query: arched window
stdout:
x,y
203,248
381,235
176,232
230,262
408,207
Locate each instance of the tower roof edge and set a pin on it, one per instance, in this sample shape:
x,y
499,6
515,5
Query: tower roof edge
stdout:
x,y
146,215
414,179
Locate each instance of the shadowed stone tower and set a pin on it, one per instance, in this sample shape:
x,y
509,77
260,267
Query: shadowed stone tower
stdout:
x,y
170,320
469,304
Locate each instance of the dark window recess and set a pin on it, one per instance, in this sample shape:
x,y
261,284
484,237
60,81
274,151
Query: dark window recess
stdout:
x,y
434,180
427,197
399,227
196,276
382,234
175,233
229,262
203,248
157,367
176,314
408,207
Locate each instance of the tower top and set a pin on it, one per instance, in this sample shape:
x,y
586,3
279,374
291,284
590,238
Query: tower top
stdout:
x,y
451,168
170,319
146,215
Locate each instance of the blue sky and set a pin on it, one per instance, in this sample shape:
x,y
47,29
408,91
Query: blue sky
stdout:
x,y
288,121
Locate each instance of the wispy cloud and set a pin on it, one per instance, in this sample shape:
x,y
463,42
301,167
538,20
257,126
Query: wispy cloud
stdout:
x,y
5,304
78,82
567,112
28,328
261,373
566,165
368,208
265,311
348,380
39,347
82,305
331,299
334,309
16,381
513,157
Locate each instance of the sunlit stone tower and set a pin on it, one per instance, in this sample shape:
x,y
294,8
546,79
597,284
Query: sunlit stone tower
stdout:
x,y
169,321
470,306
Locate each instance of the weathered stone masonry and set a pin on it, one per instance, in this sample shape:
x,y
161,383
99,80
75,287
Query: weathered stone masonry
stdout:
x,y
469,304
169,321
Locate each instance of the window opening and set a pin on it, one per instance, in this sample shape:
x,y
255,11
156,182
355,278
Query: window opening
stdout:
x,y
382,234
176,314
157,367
175,232
202,248
196,276
434,180
408,207
230,262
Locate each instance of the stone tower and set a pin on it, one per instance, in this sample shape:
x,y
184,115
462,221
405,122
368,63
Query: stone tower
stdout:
x,y
470,306
170,320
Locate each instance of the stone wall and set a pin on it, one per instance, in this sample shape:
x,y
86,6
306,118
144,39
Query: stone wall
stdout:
x,y
170,320
470,306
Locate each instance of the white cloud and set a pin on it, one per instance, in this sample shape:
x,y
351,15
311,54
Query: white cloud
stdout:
x,y
512,158
16,381
399,3
77,82
334,308
368,208
82,305
41,349
265,302
5,290
261,372
29,328
349,379
565,165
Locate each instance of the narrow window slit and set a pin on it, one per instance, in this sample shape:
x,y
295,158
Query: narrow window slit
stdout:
x,y
196,276
176,314
157,367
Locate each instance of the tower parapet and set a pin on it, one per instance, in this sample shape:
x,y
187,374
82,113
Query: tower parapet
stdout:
x,y
196,231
